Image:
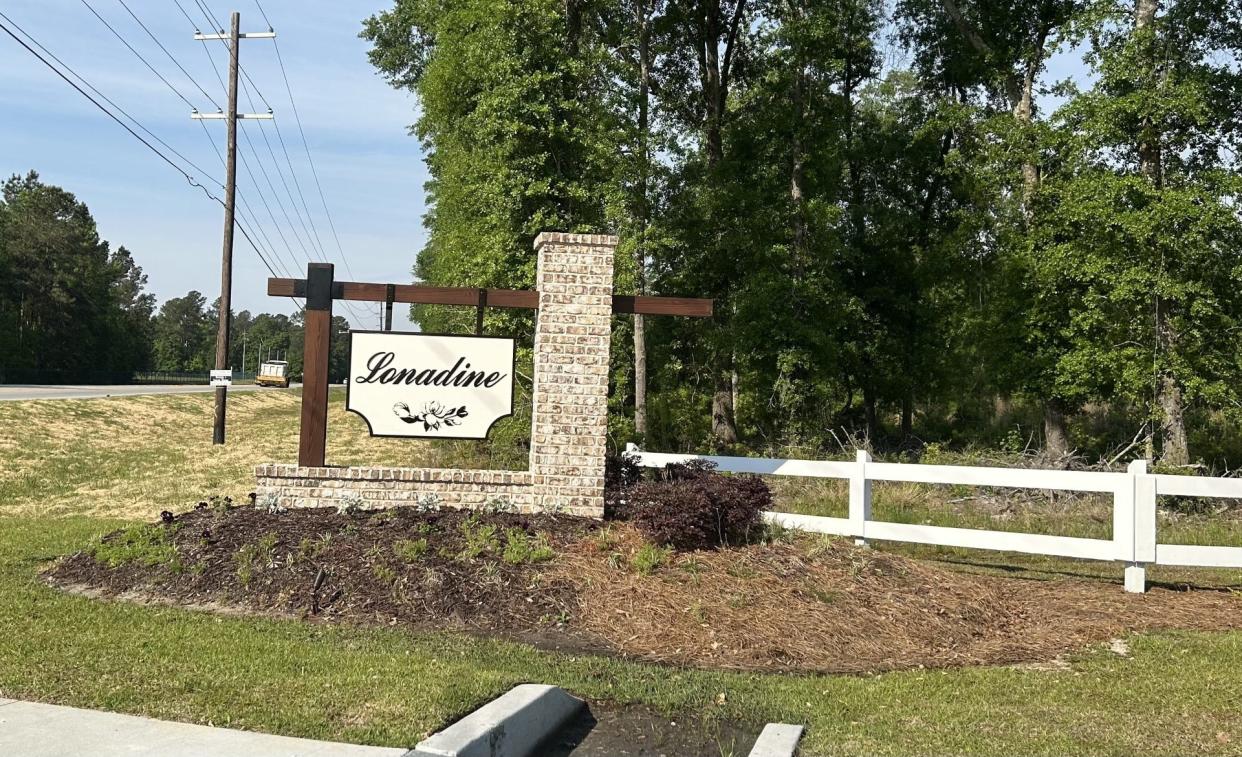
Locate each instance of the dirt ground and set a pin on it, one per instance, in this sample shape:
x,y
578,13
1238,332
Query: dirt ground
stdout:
x,y
800,604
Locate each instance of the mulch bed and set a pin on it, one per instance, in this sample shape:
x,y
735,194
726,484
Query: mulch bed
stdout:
x,y
801,605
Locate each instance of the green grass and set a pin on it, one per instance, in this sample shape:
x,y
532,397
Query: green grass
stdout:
x,y
1178,694
121,461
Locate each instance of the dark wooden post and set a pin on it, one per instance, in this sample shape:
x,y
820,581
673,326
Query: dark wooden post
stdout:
x,y
318,335
388,300
478,313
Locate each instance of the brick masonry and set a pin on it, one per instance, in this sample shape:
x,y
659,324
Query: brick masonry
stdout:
x,y
570,415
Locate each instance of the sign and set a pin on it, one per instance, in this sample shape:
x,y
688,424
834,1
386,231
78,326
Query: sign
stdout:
x,y
222,378
429,385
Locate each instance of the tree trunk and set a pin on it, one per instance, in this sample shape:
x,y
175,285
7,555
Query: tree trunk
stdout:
x,y
1056,434
724,427
907,417
873,424
644,216
797,196
1174,449
714,80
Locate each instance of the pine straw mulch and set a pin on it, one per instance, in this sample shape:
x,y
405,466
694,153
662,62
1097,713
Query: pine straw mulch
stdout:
x,y
809,604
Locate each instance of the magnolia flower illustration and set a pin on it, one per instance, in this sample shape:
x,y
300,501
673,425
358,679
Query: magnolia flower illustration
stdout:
x,y
432,416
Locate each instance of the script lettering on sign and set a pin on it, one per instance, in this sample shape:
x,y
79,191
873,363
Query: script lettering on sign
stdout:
x,y
428,385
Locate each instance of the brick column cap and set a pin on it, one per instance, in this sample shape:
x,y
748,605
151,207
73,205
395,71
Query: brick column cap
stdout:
x,y
586,240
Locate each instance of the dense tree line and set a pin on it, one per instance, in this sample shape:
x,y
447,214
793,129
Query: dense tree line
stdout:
x,y
74,309
910,230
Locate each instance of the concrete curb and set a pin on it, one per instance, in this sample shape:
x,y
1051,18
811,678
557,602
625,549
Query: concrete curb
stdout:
x,y
511,725
777,740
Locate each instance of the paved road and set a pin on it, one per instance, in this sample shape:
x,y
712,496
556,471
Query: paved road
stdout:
x,y
31,392
43,730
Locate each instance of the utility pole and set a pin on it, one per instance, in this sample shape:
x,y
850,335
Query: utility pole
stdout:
x,y
230,191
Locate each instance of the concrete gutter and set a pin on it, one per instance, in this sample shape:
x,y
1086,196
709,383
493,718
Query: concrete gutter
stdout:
x,y
777,740
511,725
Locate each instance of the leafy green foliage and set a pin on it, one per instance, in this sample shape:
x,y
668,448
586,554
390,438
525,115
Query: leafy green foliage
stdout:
x,y
953,245
480,538
649,558
524,548
410,550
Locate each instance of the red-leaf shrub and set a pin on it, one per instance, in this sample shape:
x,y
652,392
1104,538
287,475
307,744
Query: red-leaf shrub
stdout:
x,y
621,472
696,508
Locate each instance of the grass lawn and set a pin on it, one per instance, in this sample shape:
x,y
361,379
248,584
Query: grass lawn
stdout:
x,y
73,470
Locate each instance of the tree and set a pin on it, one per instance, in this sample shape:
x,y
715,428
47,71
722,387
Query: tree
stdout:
x,y
70,309
1151,147
512,123
183,335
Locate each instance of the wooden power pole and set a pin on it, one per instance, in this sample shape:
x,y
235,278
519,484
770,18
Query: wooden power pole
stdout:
x,y
234,36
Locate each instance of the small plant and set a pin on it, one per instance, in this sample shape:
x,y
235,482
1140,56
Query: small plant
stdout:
x,y
309,549
269,503
650,558
410,550
523,548
219,505
144,544
254,557
384,573
498,505
426,503
605,539
480,538
694,567
349,504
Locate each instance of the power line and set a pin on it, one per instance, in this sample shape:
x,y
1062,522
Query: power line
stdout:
x,y
139,55
246,164
263,169
271,248
170,55
311,232
305,144
110,114
211,19
176,91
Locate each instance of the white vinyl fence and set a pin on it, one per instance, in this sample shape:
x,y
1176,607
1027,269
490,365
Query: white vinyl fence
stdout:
x,y
1134,541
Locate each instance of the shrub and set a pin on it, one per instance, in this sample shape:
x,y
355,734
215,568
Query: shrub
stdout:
x,y
621,472
697,508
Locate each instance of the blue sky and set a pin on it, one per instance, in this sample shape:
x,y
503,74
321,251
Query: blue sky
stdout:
x,y
356,125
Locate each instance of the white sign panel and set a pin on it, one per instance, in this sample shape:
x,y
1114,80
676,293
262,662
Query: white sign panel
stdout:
x,y
222,378
426,385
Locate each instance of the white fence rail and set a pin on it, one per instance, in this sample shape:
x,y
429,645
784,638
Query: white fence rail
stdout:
x,y
1134,541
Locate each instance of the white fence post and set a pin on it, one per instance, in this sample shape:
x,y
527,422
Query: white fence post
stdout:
x,y
1134,525
860,497
1144,526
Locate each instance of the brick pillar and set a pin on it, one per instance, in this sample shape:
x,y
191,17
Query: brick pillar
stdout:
x,y
572,333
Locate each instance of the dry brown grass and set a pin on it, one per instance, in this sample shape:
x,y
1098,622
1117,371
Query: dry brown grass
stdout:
x,y
131,457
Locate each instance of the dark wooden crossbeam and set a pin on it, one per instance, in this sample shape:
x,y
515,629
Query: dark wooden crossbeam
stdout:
x,y
496,298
